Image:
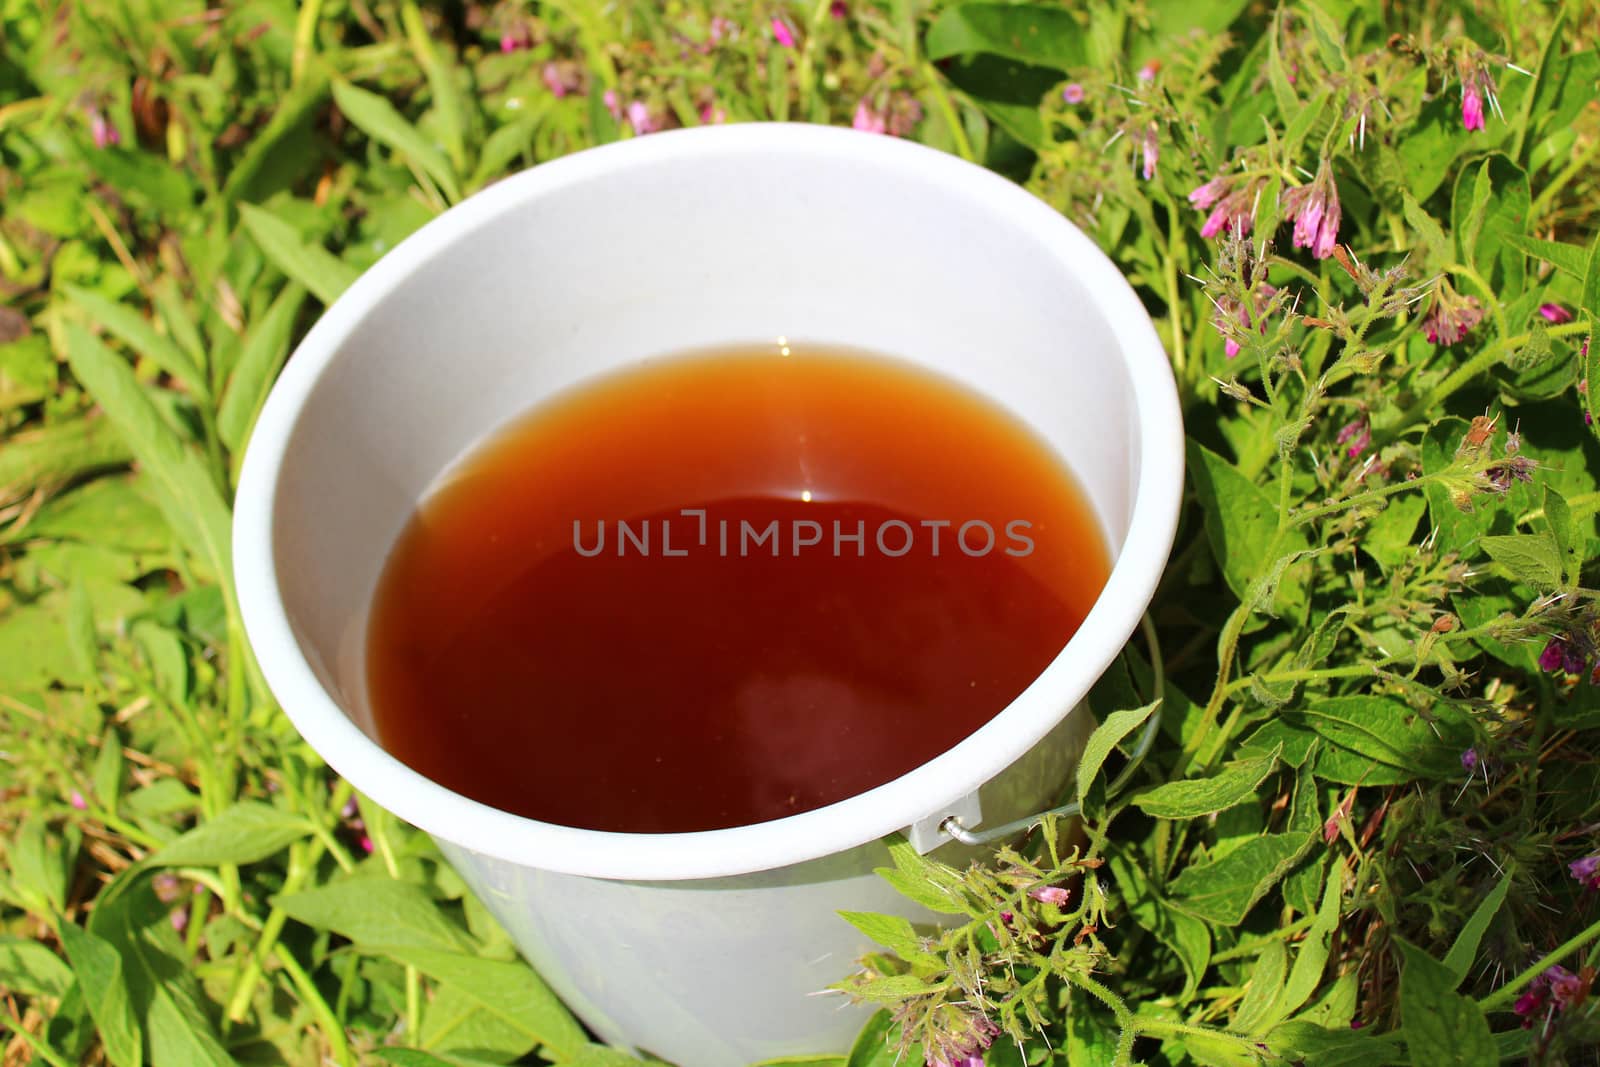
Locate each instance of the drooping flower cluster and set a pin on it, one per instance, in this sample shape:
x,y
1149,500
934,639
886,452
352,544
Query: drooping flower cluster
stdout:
x,y
1451,316
1556,990
1315,208
1231,203
1477,90
896,114
1355,435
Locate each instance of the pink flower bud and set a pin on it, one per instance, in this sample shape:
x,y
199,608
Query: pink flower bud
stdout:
x,y
782,33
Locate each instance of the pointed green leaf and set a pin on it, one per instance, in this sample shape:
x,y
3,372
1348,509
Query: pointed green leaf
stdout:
x,y
1530,558
511,991
248,832
377,911
1234,784
1224,891
1465,949
1442,1028
313,266
98,967
378,119
130,327
1106,737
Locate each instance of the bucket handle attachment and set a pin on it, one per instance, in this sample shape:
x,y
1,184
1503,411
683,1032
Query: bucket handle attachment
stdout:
x,y
955,823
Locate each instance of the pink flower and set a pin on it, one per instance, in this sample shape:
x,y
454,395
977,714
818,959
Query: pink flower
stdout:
x,y
1359,436
1557,987
514,40
711,114
179,919
167,887
1469,760
1152,153
965,1061
720,28
365,844
782,33
1471,106
1315,208
1232,205
349,810
1561,656
1555,313
1073,93
1451,316
640,118
867,120
102,131
1587,871
838,9
1203,196
77,801
609,98
1147,73
1050,894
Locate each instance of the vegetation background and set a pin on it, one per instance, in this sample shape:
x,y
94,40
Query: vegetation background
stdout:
x,y
1370,829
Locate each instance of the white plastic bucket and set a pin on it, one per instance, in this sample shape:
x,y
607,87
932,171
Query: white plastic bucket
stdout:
x,y
701,948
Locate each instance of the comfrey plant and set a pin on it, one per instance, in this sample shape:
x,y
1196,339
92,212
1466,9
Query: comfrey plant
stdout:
x,y
1372,832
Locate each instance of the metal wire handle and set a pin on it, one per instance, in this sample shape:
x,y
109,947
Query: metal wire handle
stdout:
x,y
1147,737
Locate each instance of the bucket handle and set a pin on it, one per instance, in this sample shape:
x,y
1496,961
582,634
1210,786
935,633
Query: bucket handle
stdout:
x,y
952,824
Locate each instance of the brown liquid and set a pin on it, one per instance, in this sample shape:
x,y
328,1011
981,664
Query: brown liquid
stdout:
x,y
634,691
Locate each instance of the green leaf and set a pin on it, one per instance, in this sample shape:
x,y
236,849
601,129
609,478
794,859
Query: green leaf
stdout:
x,y
59,452
108,765
1465,949
449,105
1591,383
81,639
98,968
1311,958
262,357
285,150
510,991
1428,151
1385,731
1234,784
131,328
1569,259
377,911
113,512
453,1023
892,932
40,863
1564,532
877,1045
29,968
1008,90
1318,1046
1036,34
1590,302
248,832
1497,204
1223,891
1091,1040
1106,737
378,119
1170,21
183,487
1241,524
1435,245
27,371
1263,991
144,177
601,1056
1187,937
1442,1028
1533,559
313,266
